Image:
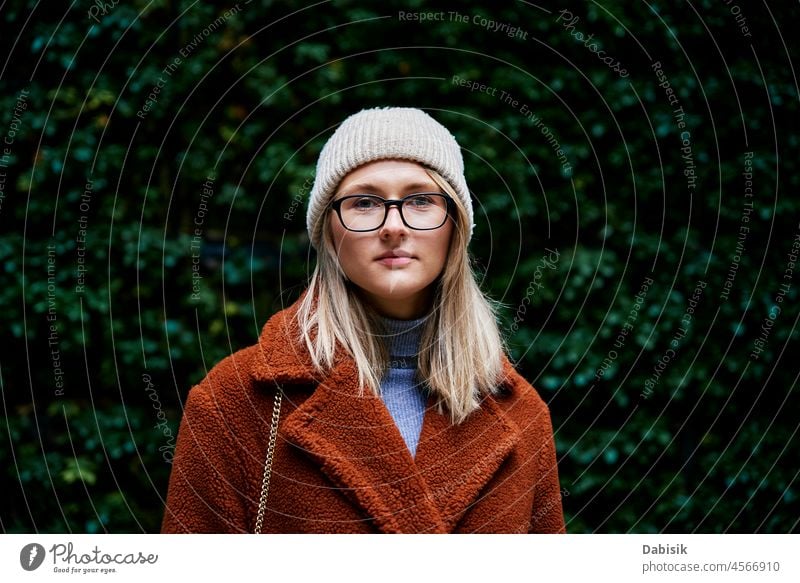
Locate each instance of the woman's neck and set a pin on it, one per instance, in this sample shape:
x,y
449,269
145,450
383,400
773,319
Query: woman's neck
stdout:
x,y
407,309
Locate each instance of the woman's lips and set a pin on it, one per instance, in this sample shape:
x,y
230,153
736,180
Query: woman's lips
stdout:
x,y
395,258
395,261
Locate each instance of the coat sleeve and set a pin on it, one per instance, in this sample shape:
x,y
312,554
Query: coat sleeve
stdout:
x,y
547,515
207,491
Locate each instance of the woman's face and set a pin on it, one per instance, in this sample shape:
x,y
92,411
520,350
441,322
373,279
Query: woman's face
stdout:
x,y
398,287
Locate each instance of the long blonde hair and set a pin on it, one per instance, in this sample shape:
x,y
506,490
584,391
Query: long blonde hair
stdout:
x,y
460,354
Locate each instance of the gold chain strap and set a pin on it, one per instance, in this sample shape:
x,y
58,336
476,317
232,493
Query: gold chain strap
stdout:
x,y
273,434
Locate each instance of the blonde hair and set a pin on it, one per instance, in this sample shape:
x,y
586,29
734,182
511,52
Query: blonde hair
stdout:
x,y
460,353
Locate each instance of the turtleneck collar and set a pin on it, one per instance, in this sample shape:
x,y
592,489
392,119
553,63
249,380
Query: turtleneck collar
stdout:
x,y
403,336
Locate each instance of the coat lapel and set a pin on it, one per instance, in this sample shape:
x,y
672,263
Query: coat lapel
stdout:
x,y
457,461
357,445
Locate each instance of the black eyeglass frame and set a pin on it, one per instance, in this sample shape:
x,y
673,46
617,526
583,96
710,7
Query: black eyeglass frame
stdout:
x,y
336,205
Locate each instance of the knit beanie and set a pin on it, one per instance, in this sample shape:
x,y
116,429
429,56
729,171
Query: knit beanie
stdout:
x,y
383,133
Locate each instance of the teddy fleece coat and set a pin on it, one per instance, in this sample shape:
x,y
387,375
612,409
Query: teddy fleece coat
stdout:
x,y
340,463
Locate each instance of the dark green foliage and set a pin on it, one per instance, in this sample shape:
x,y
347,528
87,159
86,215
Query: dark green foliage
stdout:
x,y
93,377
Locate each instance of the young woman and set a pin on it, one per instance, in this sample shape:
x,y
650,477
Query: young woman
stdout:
x,y
382,400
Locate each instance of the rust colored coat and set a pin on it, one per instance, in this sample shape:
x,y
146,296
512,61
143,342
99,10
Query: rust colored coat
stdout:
x,y
340,463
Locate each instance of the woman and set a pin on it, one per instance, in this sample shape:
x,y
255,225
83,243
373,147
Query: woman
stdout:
x,y
382,400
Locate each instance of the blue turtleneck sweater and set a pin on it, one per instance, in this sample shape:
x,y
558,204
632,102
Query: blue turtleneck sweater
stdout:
x,y
404,397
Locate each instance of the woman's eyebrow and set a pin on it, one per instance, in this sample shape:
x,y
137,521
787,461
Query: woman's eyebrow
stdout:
x,y
369,187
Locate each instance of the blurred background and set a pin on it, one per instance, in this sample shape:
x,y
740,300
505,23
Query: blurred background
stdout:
x,y
634,171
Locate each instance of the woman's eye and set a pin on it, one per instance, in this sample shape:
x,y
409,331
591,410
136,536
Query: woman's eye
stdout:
x,y
421,201
365,203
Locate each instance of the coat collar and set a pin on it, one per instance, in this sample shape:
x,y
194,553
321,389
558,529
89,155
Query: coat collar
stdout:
x,y
359,448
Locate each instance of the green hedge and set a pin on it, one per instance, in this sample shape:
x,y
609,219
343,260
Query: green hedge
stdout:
x,y
126,281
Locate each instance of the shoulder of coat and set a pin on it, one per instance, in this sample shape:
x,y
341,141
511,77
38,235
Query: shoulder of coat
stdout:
x,y
515,392
230,380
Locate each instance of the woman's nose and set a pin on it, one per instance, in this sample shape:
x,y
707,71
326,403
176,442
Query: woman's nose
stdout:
x,y
394,222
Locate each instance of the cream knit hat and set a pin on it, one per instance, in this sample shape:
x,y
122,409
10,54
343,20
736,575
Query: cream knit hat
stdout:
x,y
381,133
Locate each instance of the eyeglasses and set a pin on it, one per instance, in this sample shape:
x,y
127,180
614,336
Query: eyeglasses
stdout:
x,y
422,211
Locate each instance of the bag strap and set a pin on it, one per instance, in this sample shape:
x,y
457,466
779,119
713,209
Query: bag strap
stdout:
x,y
273,434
